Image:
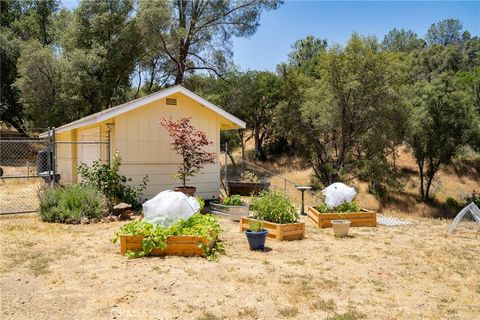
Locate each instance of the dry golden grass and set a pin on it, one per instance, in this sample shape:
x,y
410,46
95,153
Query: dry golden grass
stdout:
x,y
53,271
455,181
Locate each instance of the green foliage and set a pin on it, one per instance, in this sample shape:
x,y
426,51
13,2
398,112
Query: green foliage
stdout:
x,y
445,32
71,203
155,236
442,124
402,40
112,184
201,201
474,197
234,200
255,225
274,206
346,207
354,106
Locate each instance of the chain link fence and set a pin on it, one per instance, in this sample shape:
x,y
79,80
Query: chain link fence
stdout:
x,y
29,164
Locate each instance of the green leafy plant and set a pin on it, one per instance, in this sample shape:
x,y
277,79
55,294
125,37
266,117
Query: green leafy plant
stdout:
x,y
202,203
255,225
234,200
71,203
155,236
346,207
112,184
274,206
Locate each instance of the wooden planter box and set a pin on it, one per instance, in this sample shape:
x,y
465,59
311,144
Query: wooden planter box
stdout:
x,y
288,231
364,218
247,188
176,245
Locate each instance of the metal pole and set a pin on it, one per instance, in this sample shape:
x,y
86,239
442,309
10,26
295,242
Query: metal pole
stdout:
x,y
108,146
225,169
49,156
303,203
54,158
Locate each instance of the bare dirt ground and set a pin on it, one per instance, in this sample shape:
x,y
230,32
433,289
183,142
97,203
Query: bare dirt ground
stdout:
x,y
53,271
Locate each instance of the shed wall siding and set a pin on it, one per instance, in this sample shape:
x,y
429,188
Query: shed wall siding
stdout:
x,y
144,146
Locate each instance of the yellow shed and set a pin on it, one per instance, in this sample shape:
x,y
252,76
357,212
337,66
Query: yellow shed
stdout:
x,y
142,142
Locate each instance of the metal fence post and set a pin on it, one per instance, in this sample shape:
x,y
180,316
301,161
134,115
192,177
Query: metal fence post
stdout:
x,y
54,158
49,155
109,137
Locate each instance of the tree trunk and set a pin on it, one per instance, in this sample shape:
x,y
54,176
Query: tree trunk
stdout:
x,y
422,178
258,145
242,143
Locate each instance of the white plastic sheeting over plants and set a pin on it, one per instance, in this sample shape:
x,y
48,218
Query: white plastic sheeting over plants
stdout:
x,y
338,193
168,207
470,212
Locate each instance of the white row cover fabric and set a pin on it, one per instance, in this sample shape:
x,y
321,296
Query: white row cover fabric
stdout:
x,y
338,193
471,208
168,207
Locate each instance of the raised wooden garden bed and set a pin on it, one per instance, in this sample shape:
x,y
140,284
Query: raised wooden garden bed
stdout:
x,y
176,245
364,218
247,188
287,231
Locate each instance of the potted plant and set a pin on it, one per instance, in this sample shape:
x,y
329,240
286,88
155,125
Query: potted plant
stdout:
x,y
256,235
232,207
188,143
278,215
340,227
322,217
249,184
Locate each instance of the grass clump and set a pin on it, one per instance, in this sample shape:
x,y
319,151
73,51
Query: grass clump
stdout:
x,y
274,206
349,315
71,204
288,312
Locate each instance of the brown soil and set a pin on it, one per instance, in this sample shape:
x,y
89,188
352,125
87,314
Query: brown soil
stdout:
x,y
53,271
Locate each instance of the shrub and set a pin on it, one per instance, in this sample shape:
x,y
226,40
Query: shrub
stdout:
x,y
274,206
71,204
474,197
112,184
234,200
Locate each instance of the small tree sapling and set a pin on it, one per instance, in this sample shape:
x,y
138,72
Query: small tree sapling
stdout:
x,y
188,143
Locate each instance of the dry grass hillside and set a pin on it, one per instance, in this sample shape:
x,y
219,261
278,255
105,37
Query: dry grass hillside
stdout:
x,y
456,181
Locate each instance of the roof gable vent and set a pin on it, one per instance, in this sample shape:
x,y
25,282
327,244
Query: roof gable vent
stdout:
x,y
171,101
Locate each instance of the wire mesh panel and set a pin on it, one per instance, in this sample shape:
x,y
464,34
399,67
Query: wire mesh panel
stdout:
x,y
25,167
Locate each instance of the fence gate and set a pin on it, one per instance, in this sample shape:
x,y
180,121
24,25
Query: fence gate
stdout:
x,y
26,166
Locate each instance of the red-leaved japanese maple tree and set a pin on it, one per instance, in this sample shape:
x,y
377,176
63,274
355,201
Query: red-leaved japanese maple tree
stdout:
x,y
188,143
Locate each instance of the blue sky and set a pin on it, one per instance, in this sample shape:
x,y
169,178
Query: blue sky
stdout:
x,y
336,20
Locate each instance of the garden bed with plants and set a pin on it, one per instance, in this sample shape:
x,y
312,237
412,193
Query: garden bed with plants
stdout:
x,y
322,217
278,216
196,236
231,207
